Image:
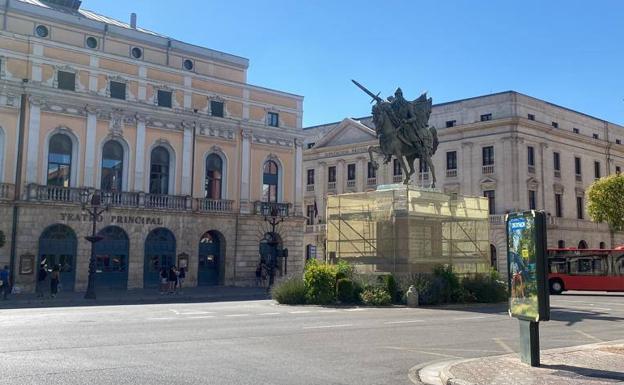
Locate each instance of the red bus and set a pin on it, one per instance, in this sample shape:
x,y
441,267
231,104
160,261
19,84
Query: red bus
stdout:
x,y
586,269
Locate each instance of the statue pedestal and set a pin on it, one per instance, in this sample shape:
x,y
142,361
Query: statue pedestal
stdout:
x,y
403,230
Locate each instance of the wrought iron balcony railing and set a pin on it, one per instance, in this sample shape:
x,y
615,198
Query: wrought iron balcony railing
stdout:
x,y
272,209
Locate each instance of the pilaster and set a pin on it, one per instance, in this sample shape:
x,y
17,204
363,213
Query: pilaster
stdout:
x,y
32,153
89,171
298,201
187,149
139,169
245,193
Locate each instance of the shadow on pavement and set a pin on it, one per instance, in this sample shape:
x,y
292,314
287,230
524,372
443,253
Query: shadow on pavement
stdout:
x,y
573,316
566,370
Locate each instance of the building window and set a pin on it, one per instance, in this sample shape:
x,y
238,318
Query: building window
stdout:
x,y
486,117
618,170
159,171
595,136
577,166
310,145
575,130
602,245
372,171
310,177
92,42
555,124
450,123
42,31
136,52
579,207
310,214
59,160
164,98
491,196
451,160
396,168
597,170
488,155
66,81
532,203
556,161
112,166
270,178
331,174
561,244
188,64
558,206
117,90
216,108
213,185
617,141
273,119
531,117
351,171
530,156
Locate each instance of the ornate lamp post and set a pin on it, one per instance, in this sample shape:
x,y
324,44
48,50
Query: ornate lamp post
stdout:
x,y
273,216
94,203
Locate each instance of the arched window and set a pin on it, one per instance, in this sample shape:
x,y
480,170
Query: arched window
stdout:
x,y
159,171
582,244
59,160
269,181
561,244
214,176
603,245
112,166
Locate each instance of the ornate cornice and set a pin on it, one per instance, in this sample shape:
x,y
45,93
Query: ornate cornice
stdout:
x,y
273,140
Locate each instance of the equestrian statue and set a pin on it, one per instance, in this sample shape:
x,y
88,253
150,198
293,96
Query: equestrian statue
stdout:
x,y
403,131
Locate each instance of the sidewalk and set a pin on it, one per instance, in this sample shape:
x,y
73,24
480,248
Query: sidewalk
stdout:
x,y
594,364
137,296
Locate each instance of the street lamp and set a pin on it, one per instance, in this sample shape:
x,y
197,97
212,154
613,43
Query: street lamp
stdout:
x,y
273,216
94,203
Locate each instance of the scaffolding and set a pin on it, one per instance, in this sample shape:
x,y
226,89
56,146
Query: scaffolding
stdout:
x,y
402,229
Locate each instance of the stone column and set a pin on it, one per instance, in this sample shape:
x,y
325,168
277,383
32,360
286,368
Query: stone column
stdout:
x,y
187,149
298,198
139,169
32,152
245,193
543,147
467,168
320,188
90,151
340,176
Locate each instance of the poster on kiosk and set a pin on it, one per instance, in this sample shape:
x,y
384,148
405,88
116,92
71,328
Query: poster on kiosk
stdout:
x,y
527,266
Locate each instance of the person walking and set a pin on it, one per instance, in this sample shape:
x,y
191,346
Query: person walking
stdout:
x,y
259,275
5,281
172,279
55,278
181,277
42,274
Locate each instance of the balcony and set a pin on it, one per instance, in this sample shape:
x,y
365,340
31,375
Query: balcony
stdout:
x,y
310,188
315,229
7,191
351,183
371,181
397,178
271,209
488,169
71,195
497,219
451,173
331,186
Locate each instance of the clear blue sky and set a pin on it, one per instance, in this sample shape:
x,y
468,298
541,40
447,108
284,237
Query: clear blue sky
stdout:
x,y
568,52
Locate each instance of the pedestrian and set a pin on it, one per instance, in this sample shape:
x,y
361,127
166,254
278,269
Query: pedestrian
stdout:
x,y
55,278
181,277
172,278
163,280
42,274
264,269
259,275
5,282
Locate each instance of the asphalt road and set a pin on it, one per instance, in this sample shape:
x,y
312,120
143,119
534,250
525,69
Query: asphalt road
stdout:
x,y
259,342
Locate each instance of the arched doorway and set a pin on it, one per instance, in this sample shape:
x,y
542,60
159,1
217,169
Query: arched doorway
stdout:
x,y
210,258
112,258
160,251
493,257
582,244
57,246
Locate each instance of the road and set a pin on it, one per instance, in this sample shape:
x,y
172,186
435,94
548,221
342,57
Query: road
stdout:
x,y
259,342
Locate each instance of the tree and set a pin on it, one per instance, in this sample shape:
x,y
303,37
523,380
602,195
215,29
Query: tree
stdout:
x,y
605,203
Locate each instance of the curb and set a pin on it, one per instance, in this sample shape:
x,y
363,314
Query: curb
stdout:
x,y
446,377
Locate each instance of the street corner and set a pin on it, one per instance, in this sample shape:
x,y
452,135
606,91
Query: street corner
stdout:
x,y
436,373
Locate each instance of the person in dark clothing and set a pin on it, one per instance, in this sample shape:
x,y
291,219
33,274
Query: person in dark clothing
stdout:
x,y
181,277
164,281
5,282
173,277
55,278
42,274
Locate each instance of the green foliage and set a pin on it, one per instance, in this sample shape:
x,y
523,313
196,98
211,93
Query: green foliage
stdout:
x,y
375,296
483,288
346,291
605,203
344,270
392,287
448,284
320,282
290,292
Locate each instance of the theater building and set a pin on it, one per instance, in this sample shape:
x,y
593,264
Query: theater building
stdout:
x,y
518,151
191,157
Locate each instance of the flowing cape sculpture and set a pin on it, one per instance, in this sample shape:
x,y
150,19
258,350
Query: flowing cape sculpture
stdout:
x,y
403,131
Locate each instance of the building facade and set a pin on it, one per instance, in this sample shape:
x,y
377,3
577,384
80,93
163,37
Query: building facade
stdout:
x,y
190,157
518,151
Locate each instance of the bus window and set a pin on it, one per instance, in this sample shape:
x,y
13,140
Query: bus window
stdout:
x,y
584,266
590,266
619,266
557,266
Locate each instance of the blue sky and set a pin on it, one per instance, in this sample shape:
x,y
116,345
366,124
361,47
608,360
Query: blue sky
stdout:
x,y
566,52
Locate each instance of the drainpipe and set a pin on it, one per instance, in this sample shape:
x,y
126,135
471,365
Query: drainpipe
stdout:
x,y
18,181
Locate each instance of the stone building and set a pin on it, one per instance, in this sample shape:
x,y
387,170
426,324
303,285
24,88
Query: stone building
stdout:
x,y
190,157
516,150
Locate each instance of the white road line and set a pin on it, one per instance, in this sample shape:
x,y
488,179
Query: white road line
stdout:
x,y
588,336
269,314
476,317
201,317
403,322
195,312
174,311
328,311
299,312
421,351
236,315
356,309
328,326
503,345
